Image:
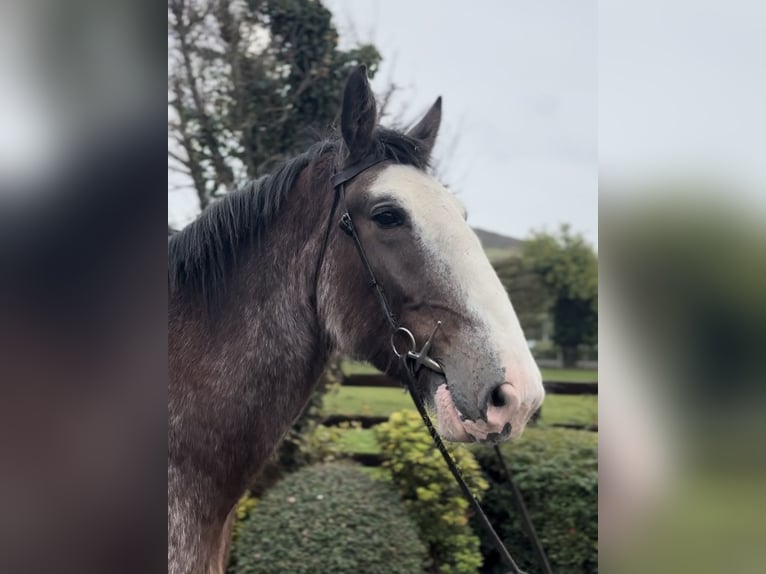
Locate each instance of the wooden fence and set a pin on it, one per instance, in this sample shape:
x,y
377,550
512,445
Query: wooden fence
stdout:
x,y
381,380
551,387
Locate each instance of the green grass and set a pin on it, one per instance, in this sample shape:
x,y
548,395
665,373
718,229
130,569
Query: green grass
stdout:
x,y
368,401
557,409
574,409
358,368
564,375
570,375
381,401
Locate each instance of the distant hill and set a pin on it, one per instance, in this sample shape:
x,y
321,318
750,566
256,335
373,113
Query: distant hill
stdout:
x,y
495,243
498,246
492,240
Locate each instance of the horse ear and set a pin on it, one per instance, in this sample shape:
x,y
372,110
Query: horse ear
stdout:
x,y
426,129
358,114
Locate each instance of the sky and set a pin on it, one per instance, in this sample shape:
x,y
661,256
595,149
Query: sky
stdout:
x,y
519,83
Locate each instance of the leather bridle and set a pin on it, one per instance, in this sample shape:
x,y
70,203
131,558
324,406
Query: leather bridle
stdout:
x,y
417,358
411,359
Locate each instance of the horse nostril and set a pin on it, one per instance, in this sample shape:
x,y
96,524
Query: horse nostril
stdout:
x,y
497,398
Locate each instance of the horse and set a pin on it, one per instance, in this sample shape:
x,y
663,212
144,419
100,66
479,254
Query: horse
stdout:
x,y
263,288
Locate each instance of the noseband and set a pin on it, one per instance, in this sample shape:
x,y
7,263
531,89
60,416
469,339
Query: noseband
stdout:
x,y
410,358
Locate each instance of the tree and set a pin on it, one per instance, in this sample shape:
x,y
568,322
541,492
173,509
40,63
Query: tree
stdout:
x,y
251,83
527,292
558,274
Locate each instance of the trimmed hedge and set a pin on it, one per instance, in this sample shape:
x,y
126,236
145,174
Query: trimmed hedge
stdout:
x,y
430,492
557,473
330,518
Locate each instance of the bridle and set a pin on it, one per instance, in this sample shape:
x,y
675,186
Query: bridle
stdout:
x,y
413,360
417,359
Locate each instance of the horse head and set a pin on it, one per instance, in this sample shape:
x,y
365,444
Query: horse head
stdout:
x,y
432,268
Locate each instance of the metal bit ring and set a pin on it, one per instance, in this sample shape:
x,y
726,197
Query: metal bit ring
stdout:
x,y
409,335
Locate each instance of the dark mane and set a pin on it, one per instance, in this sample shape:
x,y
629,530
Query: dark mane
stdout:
x,y
202,256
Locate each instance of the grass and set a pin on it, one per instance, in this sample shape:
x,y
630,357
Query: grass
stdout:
x,y
570,375
576,409
367,401
376,401
382,401
358,368
572,409
563,375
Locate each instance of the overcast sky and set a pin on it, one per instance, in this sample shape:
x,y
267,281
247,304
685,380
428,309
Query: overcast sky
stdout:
x,y
519,82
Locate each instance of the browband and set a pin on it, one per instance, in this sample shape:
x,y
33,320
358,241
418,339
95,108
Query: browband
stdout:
x,y
352,171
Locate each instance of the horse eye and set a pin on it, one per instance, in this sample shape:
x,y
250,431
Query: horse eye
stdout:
x,y
387,219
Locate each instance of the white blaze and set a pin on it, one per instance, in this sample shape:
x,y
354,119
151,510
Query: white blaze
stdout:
x,y
438,222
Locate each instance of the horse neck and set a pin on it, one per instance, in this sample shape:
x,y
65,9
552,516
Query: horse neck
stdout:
x,y
238,382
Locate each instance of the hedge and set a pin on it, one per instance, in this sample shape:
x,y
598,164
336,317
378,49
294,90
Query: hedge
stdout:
x,y
328,518
557,473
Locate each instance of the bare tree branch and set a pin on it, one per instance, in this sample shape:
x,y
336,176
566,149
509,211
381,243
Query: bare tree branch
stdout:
x,y
223,173
193,162
178,158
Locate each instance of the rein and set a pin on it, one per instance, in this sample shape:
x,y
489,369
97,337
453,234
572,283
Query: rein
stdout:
x,y
413,360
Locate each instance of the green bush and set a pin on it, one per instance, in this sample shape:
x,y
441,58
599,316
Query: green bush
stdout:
x,y
428,488
329,518
245,506
557,473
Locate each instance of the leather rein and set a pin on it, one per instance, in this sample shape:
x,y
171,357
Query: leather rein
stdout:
x,y
411,359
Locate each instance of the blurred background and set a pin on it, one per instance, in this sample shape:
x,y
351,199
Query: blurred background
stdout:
x,y
82,287
682,200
